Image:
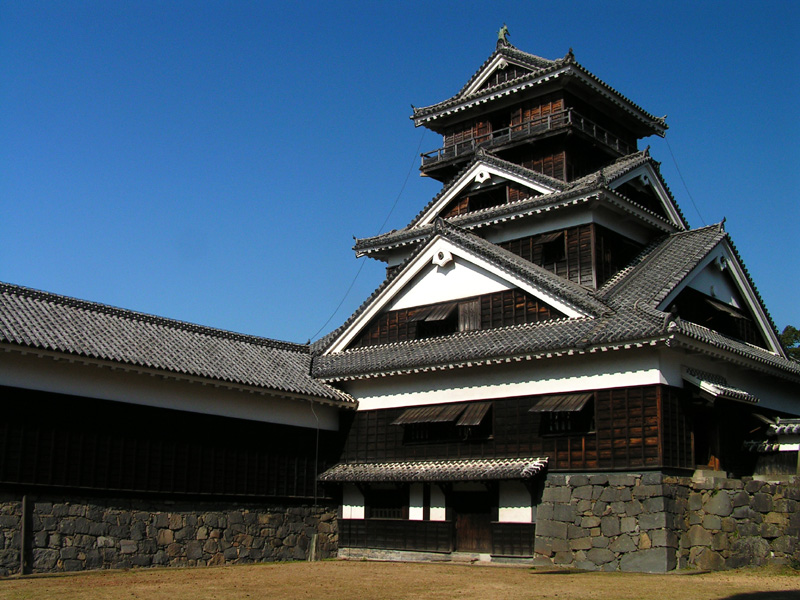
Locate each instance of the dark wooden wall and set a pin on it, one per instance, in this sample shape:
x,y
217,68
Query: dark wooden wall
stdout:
x,y
54,440
500,309
629,433
591,255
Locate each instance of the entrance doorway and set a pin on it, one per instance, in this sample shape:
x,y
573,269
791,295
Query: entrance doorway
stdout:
x,y
473,520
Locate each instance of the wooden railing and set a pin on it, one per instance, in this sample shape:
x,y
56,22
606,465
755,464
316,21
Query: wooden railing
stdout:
x,y
564,118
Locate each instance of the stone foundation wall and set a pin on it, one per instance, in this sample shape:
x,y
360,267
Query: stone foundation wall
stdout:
x,y
655,523
731,523
71,534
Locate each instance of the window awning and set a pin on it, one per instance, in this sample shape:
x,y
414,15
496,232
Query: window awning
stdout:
x,y
716,387
481,469
562,403
441,312
470,414
550,237
473,414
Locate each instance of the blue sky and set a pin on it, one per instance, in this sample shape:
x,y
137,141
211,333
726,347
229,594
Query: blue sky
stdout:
x,y
212,161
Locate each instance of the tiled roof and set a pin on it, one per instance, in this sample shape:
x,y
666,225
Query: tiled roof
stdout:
x,y
629,317
39,320
476,469
785,427
568,195
546,71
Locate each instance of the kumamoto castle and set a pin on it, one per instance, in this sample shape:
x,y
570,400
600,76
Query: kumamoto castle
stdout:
x,y
557,370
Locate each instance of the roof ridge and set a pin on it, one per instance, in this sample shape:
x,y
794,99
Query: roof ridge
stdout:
x,y
132,315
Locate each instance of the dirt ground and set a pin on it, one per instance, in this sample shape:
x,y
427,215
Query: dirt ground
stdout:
x,y
333,580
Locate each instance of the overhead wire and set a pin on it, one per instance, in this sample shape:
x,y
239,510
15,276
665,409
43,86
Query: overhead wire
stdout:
x,y
386,220
686,187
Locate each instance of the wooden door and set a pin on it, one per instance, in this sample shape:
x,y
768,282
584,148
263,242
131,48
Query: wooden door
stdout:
x,y
472,511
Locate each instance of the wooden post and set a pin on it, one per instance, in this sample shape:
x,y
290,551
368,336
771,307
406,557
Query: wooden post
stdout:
x,y
24,542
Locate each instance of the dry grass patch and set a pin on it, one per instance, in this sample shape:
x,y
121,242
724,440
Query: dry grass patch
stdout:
x,y
334,580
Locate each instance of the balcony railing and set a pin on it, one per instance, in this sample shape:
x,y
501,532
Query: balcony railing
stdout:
x,y
557,120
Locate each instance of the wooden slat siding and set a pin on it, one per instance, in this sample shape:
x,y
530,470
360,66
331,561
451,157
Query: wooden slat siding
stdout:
x,y
500,309
65,441
513,539
676,429
549,164
577,265
395,534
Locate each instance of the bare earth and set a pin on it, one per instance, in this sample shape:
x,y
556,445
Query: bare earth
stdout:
x,y
333,580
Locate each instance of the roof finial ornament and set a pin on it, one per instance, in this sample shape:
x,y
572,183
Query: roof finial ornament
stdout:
x,y
570,55
502,36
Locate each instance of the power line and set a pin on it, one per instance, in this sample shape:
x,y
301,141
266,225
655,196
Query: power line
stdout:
x,y
386,220
686,187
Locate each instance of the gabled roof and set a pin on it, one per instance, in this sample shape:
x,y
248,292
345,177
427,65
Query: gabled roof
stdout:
x,y
594,185
545,283
544,71
40,321
632,318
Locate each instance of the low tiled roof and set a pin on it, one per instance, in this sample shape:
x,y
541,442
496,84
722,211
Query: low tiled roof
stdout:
x,y
469,469
39,320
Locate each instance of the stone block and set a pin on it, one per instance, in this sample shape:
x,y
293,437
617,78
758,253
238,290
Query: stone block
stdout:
x,y
127,546
545,511
556,479
719,504
543,546
556,495
577,480
720,541
647,491
44,560
574,532
652,560
728,524
634,508
770,531
194,550
648,521
589,522
609,526
598,479
652,478
68,552
560,545
600,556
601,509
695,501
621,479
708,560
165,537
653,505
564,512
663,538
72,564
628,524
583,493
584,543
747,529
698,536
553,529
745,512
585,565
740,498
600,542
748,552
712,522
785,505
786,544
753,486
645,542
622,544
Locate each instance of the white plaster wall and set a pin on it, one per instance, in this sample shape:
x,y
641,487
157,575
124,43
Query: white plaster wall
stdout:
x,y
514,503
772,392
60,376
416,503
352,502
712,282
459,279
438,511
601,370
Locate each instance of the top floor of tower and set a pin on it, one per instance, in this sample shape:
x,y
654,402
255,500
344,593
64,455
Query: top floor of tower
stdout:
x,y
551,116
